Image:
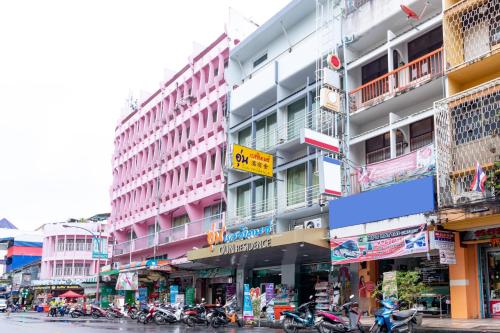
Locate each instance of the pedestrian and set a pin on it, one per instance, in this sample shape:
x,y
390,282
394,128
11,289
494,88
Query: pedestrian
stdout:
x,y
364,296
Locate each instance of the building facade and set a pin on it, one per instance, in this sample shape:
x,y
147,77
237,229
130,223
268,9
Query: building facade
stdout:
x,y
168,180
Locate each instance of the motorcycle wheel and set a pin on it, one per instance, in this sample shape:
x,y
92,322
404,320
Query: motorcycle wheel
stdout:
x,y
133,315
141,317
215,323
95,315
238,321
159,319
376,328
109,316
288,326
190,321
74,315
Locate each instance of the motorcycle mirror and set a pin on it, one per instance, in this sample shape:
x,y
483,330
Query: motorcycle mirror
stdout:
x,y
202,300
311,297
351,297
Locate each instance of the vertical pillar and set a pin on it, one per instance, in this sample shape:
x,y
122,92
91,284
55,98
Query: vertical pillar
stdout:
x,y
464,284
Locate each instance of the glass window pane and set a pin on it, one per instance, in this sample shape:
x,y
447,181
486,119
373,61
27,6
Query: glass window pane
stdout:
x,y
296,184
243,200
296,118
245,137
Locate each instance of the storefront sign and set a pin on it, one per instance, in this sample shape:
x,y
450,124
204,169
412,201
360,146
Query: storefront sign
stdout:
x,y
99,248
247,303
174,291
127,281
495,309
189,296
57,287
54,282
253,161
444,241
390,285
247,246
482,234
382,245
269,291
418,162
220,236
215,272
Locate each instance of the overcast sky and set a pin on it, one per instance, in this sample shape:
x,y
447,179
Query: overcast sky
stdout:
x,y
66,68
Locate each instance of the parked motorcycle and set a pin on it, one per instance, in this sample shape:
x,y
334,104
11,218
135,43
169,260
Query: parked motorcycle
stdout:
x,y
389,319
132,311
329,322
146,315
221,316
303,317
97,312
53,311
113,313
165,314
76,312
196,315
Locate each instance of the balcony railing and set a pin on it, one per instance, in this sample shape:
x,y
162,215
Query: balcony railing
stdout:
x,y
383,154
411,75
163,237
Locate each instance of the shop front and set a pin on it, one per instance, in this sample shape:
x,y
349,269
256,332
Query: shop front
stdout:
x,y
271,265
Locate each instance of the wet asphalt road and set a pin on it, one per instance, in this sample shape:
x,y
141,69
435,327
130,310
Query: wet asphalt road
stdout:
x,y
40,323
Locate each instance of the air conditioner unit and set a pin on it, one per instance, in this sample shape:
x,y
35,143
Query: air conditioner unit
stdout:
x,y
312,224
329,99
467,197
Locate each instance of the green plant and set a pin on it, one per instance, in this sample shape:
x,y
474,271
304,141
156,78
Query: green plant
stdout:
x,y
408,287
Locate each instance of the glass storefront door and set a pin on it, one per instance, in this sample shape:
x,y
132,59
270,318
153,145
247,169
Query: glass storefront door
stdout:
x,y
491,282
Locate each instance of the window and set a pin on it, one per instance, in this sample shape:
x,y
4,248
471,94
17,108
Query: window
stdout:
x,y
78,269
151,234
243,200
180,220
88,244
425,44
68,269
58,270
296,118
60,245
266,132
216,71
80,245
296,184
260,60
264,195
245,137
421,133
373,70
70,244
213,214
186,173
86,270
379,148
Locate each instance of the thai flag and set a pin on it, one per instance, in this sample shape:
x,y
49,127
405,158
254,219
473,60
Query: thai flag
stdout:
x,y
479,179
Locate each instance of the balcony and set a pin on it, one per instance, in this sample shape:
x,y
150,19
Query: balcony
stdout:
x,y
472,31
467,132
163,237
398,81
383,154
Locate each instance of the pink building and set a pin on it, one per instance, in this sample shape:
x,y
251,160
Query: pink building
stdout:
x,y
67,252
168,182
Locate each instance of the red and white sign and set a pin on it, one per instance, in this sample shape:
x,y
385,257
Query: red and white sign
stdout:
x,y
329,176
334,61
319,140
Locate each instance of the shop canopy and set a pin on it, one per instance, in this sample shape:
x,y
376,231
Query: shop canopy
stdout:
x,y
111,272
71,294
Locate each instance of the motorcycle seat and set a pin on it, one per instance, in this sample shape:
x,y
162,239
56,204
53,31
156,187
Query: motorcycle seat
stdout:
x,y
402,315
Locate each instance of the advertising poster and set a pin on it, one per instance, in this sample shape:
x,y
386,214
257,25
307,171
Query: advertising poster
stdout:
x,y
127,281
189,296
418,162
444,241
390,285
381,245
143,295
99,248
174,291
247,303
269,291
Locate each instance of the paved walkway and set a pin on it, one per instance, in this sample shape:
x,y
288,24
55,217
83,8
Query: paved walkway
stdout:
x,y
454,325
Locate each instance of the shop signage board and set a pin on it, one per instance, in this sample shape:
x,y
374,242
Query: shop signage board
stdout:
x,y
417,163
482,234
174,291
127,281
269,291
381,245
143,295
330,176
495,309
247,303
215,272
251,160
444,241
189,296
57,287
221,236
244,246
99,248
390,285
319,140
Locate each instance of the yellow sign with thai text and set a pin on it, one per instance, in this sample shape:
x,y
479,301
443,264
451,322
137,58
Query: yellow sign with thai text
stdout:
x,y
251,160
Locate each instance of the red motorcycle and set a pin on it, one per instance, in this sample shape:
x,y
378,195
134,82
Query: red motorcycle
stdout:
x,y
146,315
97,312
114,312
132,311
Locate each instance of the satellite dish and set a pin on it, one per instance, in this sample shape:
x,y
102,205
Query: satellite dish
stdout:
x,y
411,14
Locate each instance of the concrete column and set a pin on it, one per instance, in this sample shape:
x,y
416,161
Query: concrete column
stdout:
x,y
464,284
288,275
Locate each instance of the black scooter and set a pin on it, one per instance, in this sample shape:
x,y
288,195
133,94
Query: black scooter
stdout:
x,y
197,315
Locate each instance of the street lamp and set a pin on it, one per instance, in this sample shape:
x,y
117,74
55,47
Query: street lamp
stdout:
x,y
99,244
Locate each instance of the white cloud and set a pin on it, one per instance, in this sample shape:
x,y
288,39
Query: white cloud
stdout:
x,y
66,68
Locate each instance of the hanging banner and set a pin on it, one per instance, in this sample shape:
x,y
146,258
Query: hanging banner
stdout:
x,y
247,303
381,245
417,163
99,248
253,161
444,241
127,281
174,291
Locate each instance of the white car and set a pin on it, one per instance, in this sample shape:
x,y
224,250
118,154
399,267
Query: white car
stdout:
x,y
3,304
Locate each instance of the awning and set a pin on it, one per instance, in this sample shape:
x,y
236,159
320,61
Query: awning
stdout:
x,y
145,264
111,272
295,246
